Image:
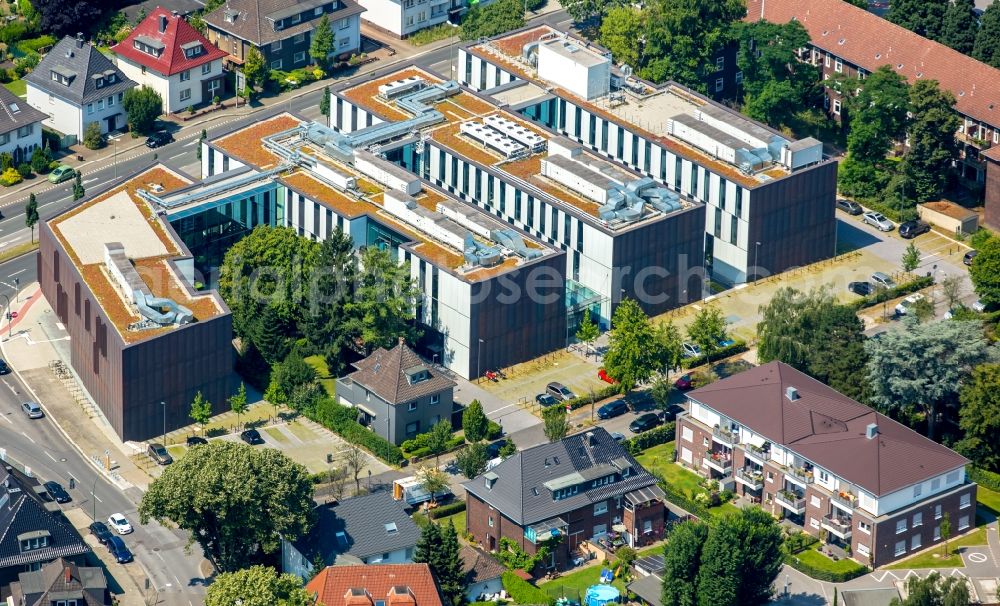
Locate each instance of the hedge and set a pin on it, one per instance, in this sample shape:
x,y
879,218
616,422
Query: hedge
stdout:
x,y
984,478
444,511
825,575
739,346
647,439
600,394
892,293
342,420
523,592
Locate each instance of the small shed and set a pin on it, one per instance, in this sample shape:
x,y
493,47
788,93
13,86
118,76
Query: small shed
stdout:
x,y
949,216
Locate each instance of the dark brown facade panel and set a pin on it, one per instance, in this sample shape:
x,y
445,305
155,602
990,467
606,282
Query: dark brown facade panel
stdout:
x,y
992,193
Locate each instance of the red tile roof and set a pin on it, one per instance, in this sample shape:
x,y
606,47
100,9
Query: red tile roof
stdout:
x,y
869,41
396,584
828,428
178,33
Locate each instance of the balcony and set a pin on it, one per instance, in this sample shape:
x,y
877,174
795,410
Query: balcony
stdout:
x,y
838,526
754,480
725,437
791,501
798,475
845,500
719,461
973,141
758,454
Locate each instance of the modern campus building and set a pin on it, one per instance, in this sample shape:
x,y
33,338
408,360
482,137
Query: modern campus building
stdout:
x,y
144,340
815,457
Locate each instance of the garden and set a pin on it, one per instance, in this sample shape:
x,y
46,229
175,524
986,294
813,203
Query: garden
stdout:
x,y
684,487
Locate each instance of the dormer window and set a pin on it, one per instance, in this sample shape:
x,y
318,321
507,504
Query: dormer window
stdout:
x,y
296,18
31,541
99,82
192,49
279,25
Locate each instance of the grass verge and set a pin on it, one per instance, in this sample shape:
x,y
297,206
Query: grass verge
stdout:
x,y
932,558
432,34
277,434
17,251
323,373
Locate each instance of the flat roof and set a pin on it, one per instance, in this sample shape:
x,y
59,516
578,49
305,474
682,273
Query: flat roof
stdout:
x,y
120,215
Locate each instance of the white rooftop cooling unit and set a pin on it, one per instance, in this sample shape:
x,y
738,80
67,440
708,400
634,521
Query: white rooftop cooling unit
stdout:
x,y
523,135
398,88
492,139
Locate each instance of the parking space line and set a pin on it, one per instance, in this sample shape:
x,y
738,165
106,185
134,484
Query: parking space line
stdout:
x,y
50,456
29,437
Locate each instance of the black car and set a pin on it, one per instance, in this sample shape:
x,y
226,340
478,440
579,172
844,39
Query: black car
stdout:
x,y
912,229
101,532
159,139
672,411
545,399
861,288
57,492
196,440
251,437
493,450
4,369
612,409
851,208
969,256
119,550
644,422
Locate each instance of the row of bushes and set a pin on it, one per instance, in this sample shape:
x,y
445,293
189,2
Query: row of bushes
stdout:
x,y
444,511
343,421
883,295
825,575
600,394
647,439
523,592
739,346
36,45
799,542
417,448
285,81
987,479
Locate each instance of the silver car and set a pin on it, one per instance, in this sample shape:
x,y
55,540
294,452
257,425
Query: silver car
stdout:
x,y
878,221
33,410
882,280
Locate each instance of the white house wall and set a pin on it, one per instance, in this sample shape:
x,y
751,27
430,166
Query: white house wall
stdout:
x,y
169,87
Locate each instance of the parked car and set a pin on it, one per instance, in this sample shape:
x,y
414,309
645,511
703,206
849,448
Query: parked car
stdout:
x,y
671,412
159,139
882,280
57,492
158,453
32,409
690,350
617,436
612,409
969,256
4,369
61,173
644,422
559,391
912,229
119,550
119,523
878,221
196,440
604,376
546,399
493,450
903,306
101,532
683,383
849,207
979,306
727,342
251,437
861,288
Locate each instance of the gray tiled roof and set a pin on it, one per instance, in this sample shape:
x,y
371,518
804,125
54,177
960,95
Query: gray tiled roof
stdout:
x,y
363,520
23,512
384,373
15,112
82,60
253,19
519,491
48,585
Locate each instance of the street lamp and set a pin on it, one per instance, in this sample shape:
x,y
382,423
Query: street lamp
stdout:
x,y
479,357
115,141
93,495
756,249
164,406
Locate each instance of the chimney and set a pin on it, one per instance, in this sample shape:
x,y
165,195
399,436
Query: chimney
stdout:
x,y
591,439
791,393
163,23
67,575
871,431
175,14
79,39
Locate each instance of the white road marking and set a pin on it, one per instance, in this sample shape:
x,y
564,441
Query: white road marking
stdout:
x,y
20,271
98,498
6,418
193,141
86,181
10,387
29,437
50,456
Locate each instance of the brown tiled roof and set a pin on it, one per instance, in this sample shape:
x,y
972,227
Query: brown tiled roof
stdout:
x,y
252,24
949,209
869,41
828,428
480,566
383,373
992,153
362,585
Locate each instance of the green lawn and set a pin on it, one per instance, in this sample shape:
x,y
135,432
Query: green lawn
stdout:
x,y
456,518
323,372
933,559
301,432
276,433
659,459
18,87
989,499
433,34
575,584
814,558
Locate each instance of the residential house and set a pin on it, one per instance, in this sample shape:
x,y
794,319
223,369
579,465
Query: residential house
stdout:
x,y
850,41
370,529
483,574
282,29
20,128
74,85
402,18
32,533
585,487
397,394
167,54
388,585
820,460
61,583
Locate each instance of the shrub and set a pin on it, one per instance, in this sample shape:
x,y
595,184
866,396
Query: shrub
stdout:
x,y
10,177
983,477
92,137
799,542
35,45
523,592
40,159
12,32
446,510
23,65
216,100
53,165
739,346
647,439
51,139
584,400
24,169
342,420
891,293
493,430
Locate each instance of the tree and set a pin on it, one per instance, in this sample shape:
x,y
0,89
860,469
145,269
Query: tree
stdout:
x,y
960,25
740,559
143,106
911,257
923,17
951,288
438,438
449,568
322,45
381,310
67,17
669,345
924,365
356,461
985,272
556,423
257,586
660,391
775,83
78,191
708,330
979,417
492,20
935,590
933,147
201,140
474,422
266,497
324,102
945,533
922,309
428,545
292,373
255,69
238,402
433,480
878,114
40,159
582,10
201,410
987,46
633,353
93,138
508,449
621,29
330,287
472,460
681,560
588,331
31,214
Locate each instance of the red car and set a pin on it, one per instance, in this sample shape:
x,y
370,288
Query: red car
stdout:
x,y
604,376
683,383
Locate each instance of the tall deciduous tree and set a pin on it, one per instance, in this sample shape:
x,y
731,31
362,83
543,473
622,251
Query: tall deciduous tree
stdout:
x,y
266,496
588,331
633,354
987,46
201,410
31,214
924,17
472,460
933,147
143,106
740,560
708,330
669,345
582,10
935,590
322,44
681,560
922,366
238,401
433,480
438,438
255,68
960,25
67,17
555,423
878,114
492,20
621,30
911,257
381,310
257,586
979,417
985,271
775,83
356,461
474,422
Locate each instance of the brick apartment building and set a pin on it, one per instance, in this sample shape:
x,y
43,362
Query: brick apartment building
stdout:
x,y
584,487
817,458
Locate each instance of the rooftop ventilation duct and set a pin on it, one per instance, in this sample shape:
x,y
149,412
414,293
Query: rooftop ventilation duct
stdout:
x,y
871,431
791,393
